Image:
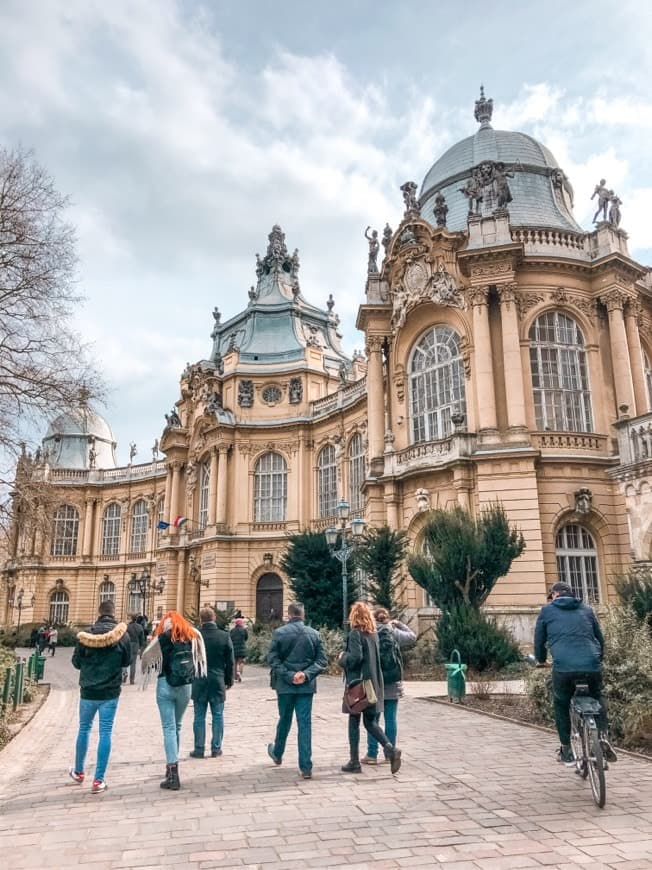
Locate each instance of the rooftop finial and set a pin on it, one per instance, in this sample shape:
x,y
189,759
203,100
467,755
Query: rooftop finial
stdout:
x,y
483,110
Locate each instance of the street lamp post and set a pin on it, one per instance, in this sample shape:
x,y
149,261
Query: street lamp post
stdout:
x,y
19,602
146,586
347,545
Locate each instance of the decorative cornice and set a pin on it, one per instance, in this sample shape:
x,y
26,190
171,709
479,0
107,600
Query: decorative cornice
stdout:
x,y
374,344
615,299
588,306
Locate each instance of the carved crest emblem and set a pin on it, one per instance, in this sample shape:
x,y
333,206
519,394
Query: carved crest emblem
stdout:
x,y
416,276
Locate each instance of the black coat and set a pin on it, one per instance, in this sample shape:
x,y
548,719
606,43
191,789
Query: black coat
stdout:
x,y
239,638
295,647
136,634
219,660
572,632
100,655
361,660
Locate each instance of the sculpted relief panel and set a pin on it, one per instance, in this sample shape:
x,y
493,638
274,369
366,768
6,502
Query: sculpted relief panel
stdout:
x,y
421,283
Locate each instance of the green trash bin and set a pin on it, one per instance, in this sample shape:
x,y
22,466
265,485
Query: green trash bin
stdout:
x,y
39,667
456,677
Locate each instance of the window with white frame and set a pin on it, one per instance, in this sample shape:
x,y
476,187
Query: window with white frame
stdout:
x,y
327,482
135,602
648,379
65,531
270,489
436,384
107,591
204,488
111,530
59,603
138,543
577,562
560,380
357,462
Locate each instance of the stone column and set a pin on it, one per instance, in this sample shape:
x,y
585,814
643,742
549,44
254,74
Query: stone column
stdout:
x,y
514,388
632,314
168,494
615,302
173,509
375,394
212,488
222,477
181,581
87,542
484,371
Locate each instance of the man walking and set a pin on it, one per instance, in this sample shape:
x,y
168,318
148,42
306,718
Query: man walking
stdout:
x,y
137,641
211,689
100,655
296,659
53,638
572,632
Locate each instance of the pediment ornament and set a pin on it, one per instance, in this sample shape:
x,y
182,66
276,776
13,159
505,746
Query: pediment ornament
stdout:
x,y
418,286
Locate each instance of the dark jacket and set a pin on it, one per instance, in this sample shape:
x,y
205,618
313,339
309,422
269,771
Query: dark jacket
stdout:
x,y
219,661
405,637
295,647
361,660
571,631
136,634
239,638
100,655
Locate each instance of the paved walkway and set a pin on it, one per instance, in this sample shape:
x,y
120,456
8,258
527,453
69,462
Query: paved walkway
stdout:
x,y
473,793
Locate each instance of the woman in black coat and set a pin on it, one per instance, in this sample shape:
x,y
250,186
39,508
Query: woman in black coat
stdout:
x,y
361,660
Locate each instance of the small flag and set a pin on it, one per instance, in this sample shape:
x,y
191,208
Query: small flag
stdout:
x,y
162,525
179,521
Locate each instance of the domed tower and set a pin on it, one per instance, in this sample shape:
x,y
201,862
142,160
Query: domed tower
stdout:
x,y
80,439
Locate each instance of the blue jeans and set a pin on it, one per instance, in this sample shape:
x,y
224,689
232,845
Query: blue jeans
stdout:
x,y
87,710
391,727
199,724
172,702
301,706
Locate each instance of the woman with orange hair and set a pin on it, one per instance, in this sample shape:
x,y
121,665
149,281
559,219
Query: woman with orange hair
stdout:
x,y
177,653
361,661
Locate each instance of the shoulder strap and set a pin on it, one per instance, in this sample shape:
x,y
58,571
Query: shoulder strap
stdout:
x,y
300,634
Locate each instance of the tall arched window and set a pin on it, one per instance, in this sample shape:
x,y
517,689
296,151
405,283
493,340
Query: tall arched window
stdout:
x,y
356,471
107,591
65,531
577,562
204,487
327,482
270,489
436,384
138,543
59,602
111,530
648,379
560,381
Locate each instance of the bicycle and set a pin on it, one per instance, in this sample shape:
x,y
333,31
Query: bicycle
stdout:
x,y
585,742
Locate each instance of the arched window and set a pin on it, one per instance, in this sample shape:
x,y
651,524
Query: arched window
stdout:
x,y
436,384
111,530
107,591
327,482
648,379
270,489
138,543
59,601
135,600
577,562
204,485
65,531
560,381
356,471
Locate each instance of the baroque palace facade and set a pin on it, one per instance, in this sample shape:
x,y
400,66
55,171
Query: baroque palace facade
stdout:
x,y
507,357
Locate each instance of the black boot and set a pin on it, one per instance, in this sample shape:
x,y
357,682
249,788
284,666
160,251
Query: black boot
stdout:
x,y
353,766
165,783
394,756
175,785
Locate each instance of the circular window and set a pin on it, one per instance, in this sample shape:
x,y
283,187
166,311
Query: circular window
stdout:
x,y
272,395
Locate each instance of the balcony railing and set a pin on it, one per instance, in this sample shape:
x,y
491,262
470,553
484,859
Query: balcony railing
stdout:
x,y
635,440
572,441
344,397
427,454
106,475
560,243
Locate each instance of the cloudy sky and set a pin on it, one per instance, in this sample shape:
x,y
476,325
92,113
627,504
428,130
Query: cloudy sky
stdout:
x,y
183,130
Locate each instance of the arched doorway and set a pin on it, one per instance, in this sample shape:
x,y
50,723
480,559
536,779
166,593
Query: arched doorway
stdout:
x,y
269,598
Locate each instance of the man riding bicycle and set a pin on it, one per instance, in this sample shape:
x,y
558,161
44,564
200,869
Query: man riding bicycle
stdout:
x,y
571,631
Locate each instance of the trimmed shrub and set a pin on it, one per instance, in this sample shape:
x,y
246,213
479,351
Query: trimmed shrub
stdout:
x,y
635,590
482,643
421,655
332,641
258,643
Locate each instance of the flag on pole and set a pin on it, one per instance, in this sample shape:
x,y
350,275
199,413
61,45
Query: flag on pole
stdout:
x,y
162,525
179,521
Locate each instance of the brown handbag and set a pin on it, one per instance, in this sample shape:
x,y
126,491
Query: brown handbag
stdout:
x,y
355,698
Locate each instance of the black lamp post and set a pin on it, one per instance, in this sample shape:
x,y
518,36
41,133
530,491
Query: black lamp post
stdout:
x,y
19,604
350,535
145,586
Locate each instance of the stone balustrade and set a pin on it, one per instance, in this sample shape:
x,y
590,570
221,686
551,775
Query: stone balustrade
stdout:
x,y
635,440
570,441
428,454
106,475
561,243
344,397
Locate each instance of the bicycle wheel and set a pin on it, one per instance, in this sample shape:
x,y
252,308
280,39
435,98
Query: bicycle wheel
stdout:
x,y
577,745
595,763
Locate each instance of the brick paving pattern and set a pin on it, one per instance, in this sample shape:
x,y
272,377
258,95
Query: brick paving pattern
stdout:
x,y
473,793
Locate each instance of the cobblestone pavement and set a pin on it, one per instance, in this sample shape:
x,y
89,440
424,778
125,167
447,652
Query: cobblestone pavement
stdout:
x,y
473,792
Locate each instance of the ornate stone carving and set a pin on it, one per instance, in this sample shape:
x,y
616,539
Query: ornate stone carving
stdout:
x,y
477,296
465,348
422,497
246,394
472,190
490,270
583,501
614,299
374,247
374,344
191,477
440,209
587,306
507,293
400,382
407,237
419,287
416,276
633,308
603,195
387,237
172,420
526,301
295,391
483,109
409,191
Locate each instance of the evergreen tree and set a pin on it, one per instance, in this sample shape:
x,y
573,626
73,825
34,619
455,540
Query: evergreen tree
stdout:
x,y
380,555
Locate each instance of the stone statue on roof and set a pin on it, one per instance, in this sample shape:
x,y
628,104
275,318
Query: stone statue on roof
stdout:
x,y
614,211
503,193
604,195
440,209
472,190
374,247
409,190
387,237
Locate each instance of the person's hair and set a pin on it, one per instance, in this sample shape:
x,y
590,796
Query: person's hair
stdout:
x,y
207,614
381,614
179,628
107,608
296,608
361,617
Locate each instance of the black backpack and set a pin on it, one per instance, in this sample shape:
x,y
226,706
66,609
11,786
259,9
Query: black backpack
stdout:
x,y
181,667
390,655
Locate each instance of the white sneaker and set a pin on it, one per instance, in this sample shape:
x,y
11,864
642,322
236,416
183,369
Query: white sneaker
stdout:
x,y
98,786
